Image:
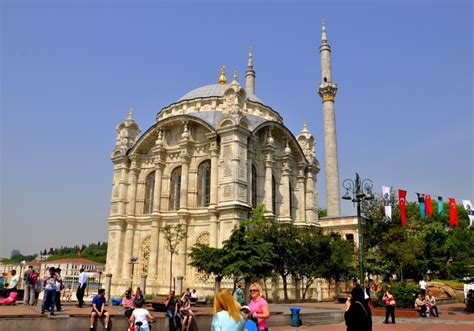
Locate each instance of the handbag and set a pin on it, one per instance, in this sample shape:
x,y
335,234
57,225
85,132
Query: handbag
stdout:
x,y
132,328
392,302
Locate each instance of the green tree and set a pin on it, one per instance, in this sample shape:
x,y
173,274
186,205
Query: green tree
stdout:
x,y
173,237
247,254
339,266
208,260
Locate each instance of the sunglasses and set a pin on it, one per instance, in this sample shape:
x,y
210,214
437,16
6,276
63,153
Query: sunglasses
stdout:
x,y
253,290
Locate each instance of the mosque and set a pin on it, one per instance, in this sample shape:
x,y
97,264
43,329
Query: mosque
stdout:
x,y
209,158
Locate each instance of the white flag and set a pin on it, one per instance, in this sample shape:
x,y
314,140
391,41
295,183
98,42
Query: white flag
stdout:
x,y
469,210
386,201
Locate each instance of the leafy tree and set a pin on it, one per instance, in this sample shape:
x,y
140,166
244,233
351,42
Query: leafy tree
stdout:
x,y
247,254
339,266
208,260
173,237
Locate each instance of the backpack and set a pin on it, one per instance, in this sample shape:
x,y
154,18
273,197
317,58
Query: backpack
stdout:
x,y
33,277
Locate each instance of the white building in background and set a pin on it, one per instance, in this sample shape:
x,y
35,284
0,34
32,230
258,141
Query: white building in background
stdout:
x,y
208,159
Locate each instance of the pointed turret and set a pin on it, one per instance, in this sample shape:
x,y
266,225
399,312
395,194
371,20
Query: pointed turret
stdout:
x,y
222,77
327,90
127,134
250,75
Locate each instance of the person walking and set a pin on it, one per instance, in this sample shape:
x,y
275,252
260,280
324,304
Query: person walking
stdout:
x,y
358,316
226,312
59,287
239,294
83,278
389,306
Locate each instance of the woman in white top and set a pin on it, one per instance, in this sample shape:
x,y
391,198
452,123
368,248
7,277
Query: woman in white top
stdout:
x,y
140,316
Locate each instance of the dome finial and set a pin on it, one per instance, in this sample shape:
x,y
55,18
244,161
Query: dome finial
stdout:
x,y
130,113
234,76
222,78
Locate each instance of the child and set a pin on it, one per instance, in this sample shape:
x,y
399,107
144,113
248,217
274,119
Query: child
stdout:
x,y
249,324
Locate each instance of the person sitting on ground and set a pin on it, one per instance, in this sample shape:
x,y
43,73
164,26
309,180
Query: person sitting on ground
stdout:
x,y
140,317
249,324
193,296
420,305
186,312
98,309
128,303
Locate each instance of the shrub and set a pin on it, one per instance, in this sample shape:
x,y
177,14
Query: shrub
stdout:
x,y
404,293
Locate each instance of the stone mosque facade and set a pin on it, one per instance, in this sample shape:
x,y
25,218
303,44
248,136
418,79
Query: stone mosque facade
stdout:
x,y
206,162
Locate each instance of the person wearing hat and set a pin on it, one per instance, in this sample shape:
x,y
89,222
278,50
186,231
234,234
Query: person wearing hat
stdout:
x,y
249,324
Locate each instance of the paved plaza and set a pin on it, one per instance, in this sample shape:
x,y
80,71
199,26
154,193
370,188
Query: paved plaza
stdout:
x,y
452,317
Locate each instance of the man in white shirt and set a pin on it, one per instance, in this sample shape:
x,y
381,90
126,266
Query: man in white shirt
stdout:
x,y
14,280
83,278
422,285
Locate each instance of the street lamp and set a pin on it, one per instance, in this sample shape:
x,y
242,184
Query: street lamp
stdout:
x,y
22,264
358,187
133,261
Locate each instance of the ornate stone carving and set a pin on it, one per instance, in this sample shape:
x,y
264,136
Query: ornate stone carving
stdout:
x,y
203,239
327,91
145,253
227,170
227,191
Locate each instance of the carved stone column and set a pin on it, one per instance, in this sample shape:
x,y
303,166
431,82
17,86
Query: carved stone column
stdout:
x,y
301,195
123,190
157,189
183,198
285,204
154,241
214,149
310,196
268,185
132,190
213,228
127,249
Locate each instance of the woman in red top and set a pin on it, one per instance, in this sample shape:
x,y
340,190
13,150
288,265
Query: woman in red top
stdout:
x,y
259,307
389,306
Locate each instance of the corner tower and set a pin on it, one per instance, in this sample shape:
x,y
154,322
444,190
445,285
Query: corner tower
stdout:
x,y
327,90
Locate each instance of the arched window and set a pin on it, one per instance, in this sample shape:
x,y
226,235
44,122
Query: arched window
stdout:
x,y
149,192
204,184
175,188
291,200
274,201
254,186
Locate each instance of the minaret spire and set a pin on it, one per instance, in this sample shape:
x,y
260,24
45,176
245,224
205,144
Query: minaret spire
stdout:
x,y
327,90
250,75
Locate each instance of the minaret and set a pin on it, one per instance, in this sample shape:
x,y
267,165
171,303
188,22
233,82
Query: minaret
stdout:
x,y
250,75
327,90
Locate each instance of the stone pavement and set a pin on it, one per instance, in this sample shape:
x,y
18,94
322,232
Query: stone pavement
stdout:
x,y
452,316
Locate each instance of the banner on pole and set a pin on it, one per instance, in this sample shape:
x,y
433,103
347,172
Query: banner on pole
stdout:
x,y
469,210
386,202
402,194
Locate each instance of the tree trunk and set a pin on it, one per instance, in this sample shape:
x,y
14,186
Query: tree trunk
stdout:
x,y
266,288
248,282
285,288
297,289
308,284
275,289
171,271
217,286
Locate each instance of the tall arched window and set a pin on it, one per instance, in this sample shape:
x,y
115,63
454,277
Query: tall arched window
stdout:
x,y
175,188
274,200
149,193
254,186
204,184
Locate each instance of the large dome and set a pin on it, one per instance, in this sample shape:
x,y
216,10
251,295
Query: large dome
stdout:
x,y
214,90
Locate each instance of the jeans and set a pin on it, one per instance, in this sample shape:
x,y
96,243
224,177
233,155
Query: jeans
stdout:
x,y
29,297
48,300
390,311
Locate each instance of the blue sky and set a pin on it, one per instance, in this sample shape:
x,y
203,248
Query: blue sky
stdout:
x,y
71,70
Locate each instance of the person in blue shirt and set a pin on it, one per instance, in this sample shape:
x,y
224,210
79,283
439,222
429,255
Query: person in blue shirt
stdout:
x,y
249,324
227,315
98,309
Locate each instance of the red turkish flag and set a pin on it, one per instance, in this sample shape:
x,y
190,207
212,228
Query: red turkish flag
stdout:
x,y
402,194
453,213
428,207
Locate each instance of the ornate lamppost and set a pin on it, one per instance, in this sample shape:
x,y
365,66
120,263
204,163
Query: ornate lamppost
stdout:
x,y
358,187
100,270
133,261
